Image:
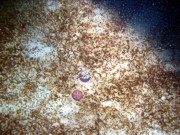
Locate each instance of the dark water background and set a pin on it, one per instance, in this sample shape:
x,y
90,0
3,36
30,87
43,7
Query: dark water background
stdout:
x,y
159,18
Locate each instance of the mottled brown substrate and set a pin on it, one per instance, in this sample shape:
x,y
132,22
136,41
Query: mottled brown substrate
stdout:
x,y
130,89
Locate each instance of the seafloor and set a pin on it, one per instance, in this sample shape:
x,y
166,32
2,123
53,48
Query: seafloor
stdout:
x,y
134,88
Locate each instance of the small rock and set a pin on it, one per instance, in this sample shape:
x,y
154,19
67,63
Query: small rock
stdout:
x,y
84,76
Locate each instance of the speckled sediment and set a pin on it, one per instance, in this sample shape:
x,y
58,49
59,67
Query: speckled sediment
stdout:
x,y
131,90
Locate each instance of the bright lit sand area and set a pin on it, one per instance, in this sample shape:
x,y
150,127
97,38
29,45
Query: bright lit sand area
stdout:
x,y
73,67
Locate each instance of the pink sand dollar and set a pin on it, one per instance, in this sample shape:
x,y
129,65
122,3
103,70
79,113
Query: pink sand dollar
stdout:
x,y
77,95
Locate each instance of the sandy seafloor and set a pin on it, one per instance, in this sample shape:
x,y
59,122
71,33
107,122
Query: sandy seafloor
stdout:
x,y
134,87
